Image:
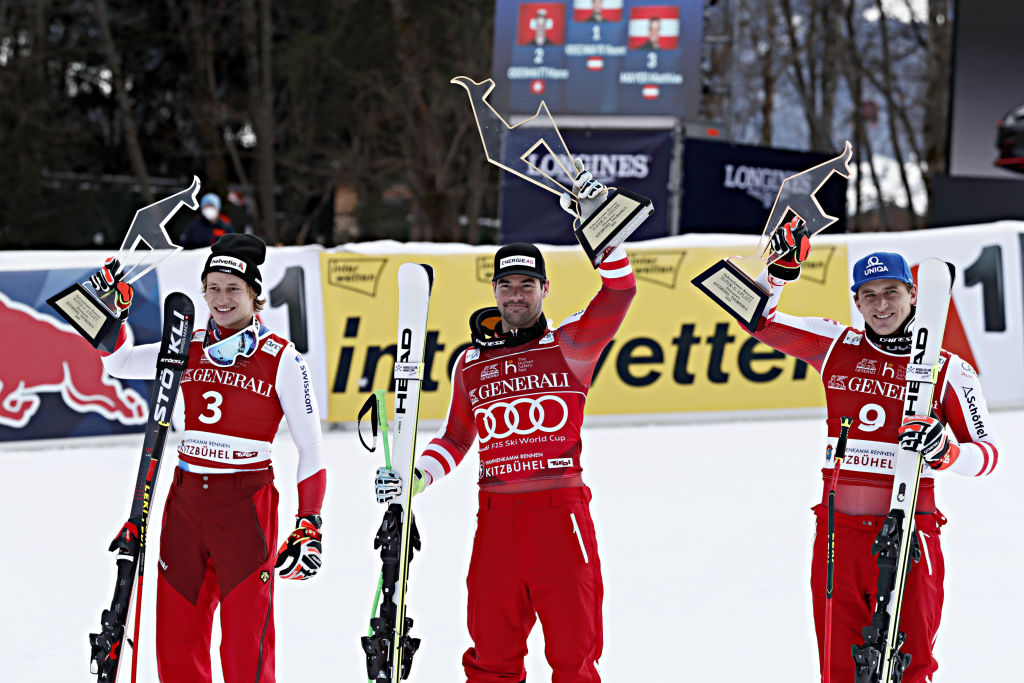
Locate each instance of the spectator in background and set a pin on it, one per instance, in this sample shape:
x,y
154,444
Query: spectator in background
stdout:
x,y
208,226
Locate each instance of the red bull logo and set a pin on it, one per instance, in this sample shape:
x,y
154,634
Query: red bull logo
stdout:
x,y
43,355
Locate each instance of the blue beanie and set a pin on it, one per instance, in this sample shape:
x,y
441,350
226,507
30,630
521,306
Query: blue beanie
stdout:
x,y
881,265
212,199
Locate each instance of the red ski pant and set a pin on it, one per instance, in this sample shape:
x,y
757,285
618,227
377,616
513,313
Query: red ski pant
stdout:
x,y
855,589
535,554
217,545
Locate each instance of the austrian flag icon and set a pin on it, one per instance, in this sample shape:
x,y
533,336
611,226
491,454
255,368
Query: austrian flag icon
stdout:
x,y
595,63
650,92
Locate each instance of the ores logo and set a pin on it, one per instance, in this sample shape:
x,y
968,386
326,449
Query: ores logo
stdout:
x,y
521,416
760,183
49,356
852,338
228,262
868,366
837,382
272,347
489,372
606,168
874,267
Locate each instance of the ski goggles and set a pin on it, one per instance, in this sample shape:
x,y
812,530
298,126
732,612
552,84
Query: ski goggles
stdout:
x,y
226,351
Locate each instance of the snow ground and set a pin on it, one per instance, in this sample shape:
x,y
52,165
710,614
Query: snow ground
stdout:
x,y
704,533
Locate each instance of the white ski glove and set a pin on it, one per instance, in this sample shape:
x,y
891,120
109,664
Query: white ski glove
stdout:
x,y
389,486
588,194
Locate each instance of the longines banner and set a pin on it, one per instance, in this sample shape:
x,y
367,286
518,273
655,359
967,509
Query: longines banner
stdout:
x,y
731,188
637,160
676,352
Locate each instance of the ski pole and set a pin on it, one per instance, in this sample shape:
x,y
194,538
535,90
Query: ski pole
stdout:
x,y
844,432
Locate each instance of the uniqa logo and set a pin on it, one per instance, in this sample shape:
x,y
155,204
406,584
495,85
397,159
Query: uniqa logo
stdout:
x,y
875,266
535,420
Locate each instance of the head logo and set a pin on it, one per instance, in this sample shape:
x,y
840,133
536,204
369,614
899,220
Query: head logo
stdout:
x,y
837,382
522,416
53,358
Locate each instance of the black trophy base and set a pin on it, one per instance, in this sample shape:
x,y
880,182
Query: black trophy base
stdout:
x,y
613,222
88,314
735,291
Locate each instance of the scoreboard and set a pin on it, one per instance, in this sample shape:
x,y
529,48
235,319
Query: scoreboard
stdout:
x,y
598,57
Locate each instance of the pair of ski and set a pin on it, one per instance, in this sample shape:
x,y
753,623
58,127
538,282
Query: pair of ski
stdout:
x,y
879,659
130,544
389,648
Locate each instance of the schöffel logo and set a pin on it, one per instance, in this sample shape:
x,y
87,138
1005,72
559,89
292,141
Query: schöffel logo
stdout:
x,y
227,262
527,261
875,266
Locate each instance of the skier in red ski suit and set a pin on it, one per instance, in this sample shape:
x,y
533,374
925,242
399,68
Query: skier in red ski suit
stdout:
x,y
521,390
864,372
219,529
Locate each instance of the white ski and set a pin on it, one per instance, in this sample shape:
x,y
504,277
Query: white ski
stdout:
x,y
414,284
879,659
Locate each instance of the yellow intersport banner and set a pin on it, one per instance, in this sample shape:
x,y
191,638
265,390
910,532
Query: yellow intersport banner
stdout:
x,y
676,352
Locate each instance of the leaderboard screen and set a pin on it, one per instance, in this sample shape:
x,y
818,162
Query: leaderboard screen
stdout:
x,y
598,57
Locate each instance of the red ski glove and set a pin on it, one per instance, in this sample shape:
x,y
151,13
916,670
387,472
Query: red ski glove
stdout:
x,y
928,436
300,555
109,277
790,245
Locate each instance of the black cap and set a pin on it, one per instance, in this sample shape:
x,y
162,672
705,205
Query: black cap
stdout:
x,y
519,259
238,254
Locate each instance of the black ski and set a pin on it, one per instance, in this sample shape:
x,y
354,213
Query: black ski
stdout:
x,y
130,543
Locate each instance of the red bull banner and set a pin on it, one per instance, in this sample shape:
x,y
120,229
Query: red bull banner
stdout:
x,y
52,382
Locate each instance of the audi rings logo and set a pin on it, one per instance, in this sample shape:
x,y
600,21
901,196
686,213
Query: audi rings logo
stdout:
x,y
521,416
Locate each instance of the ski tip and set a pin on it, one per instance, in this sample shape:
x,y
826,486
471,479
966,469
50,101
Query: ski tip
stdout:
x,y
430,276
952,272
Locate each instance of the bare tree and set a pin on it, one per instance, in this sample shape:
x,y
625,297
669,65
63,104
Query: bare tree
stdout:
x,y
131,135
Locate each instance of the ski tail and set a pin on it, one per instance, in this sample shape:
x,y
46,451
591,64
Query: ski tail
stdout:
x,y
879,660
389,649
107,646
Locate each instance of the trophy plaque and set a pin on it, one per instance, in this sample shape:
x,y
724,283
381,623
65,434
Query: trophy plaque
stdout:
x,y
734,289
602,223
95,314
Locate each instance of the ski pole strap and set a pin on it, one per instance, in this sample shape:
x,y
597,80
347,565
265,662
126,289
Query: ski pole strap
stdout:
x,y
926,374
369,407
409,371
